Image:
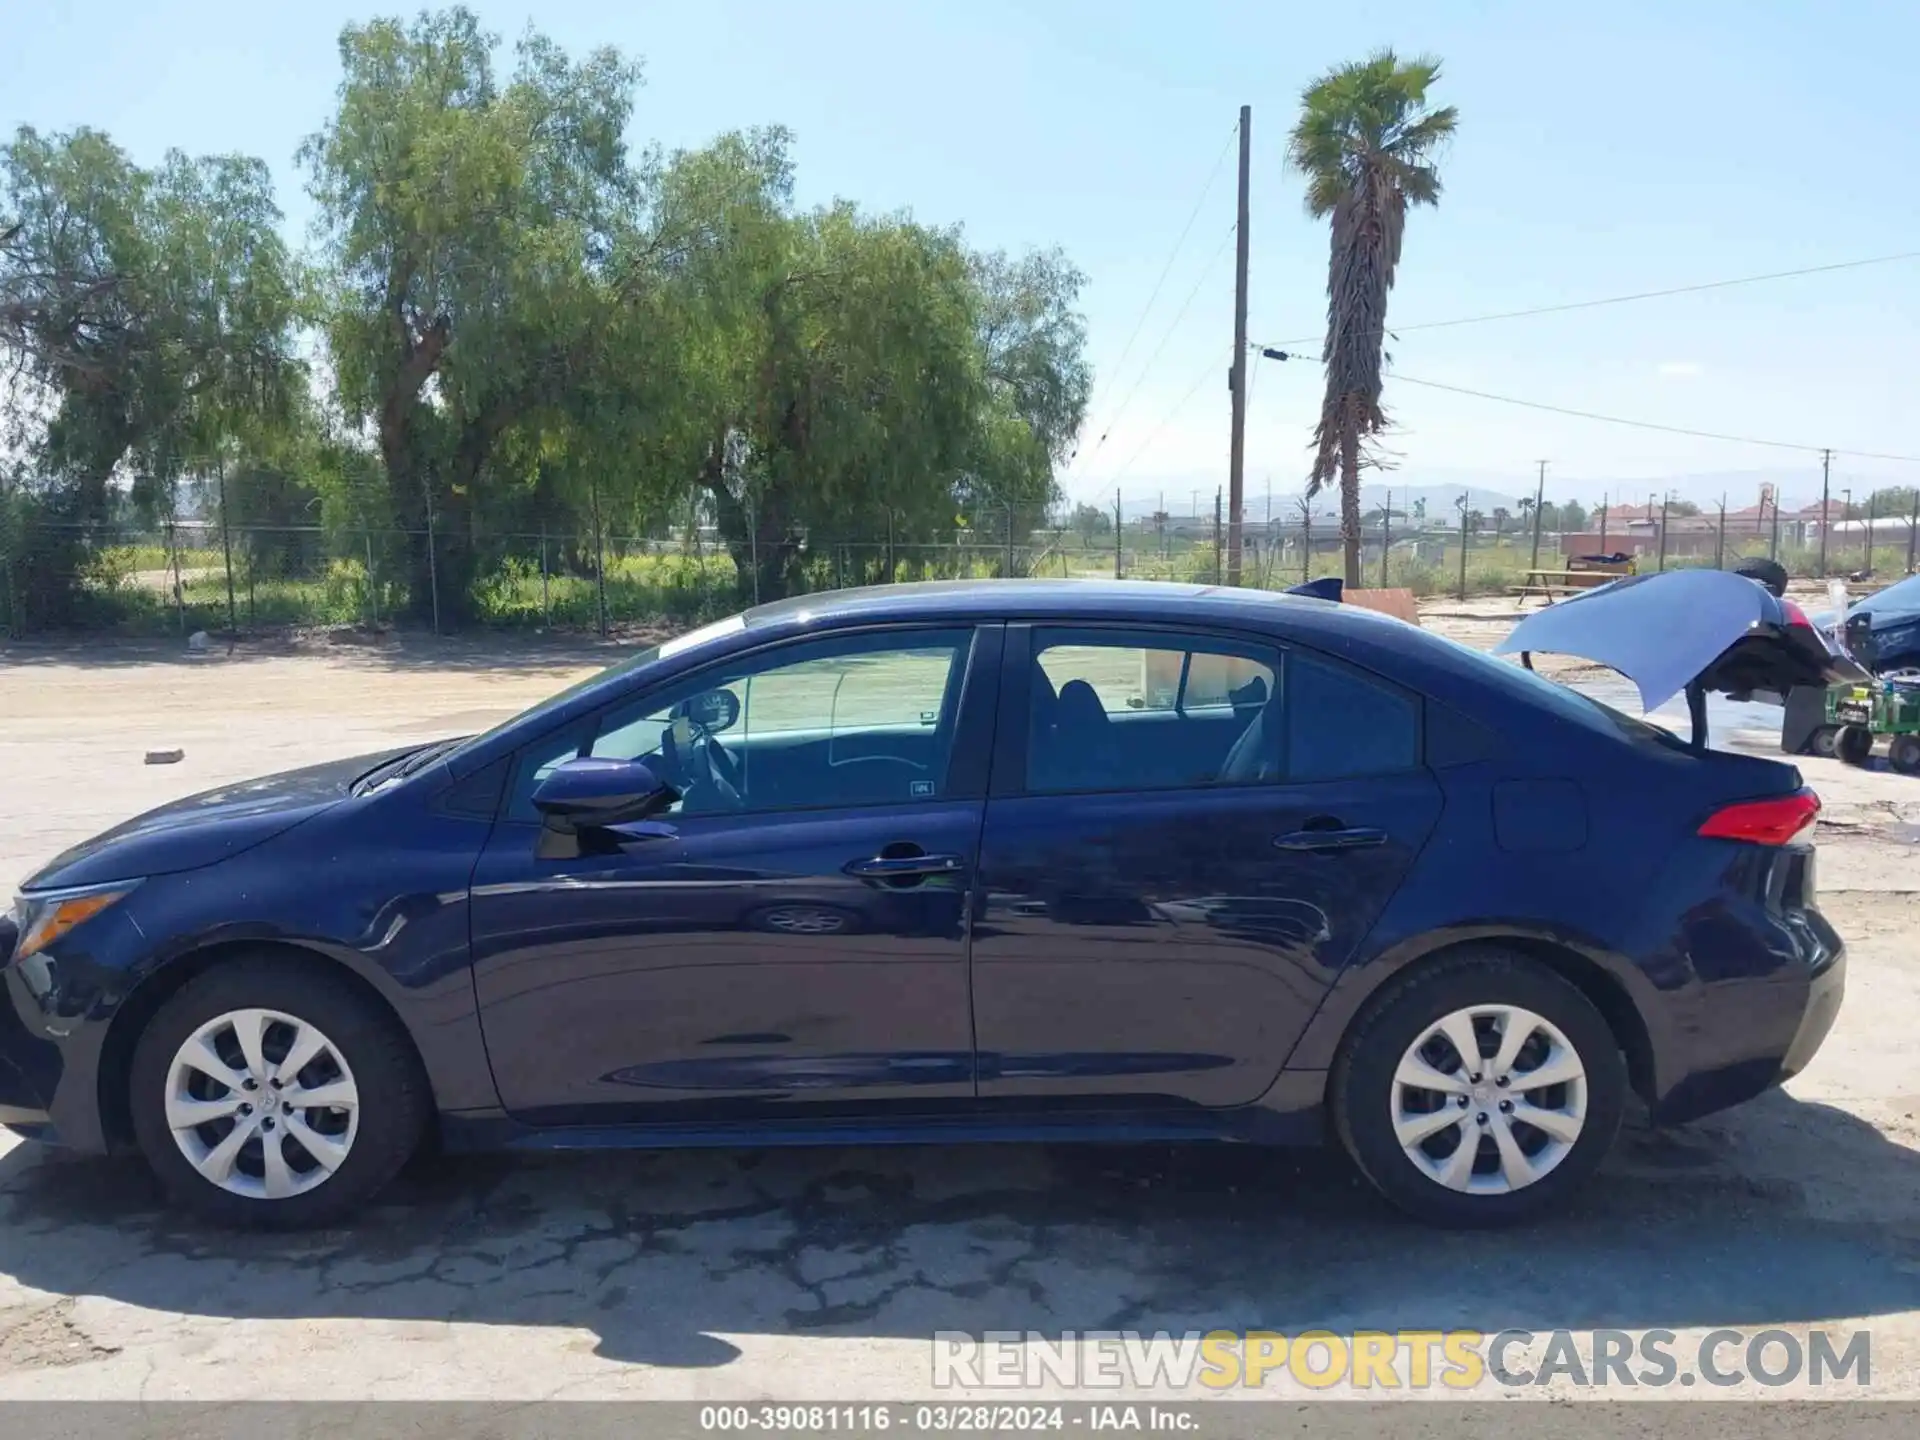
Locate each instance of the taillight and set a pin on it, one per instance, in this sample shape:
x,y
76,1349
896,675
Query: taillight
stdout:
x,y
1779,820
1795,615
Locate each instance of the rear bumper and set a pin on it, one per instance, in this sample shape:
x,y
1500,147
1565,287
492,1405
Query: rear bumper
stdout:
x,y
1824,995
1772,1029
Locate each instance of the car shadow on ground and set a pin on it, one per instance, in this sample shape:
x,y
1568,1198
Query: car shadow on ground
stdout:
x,y
1768,1216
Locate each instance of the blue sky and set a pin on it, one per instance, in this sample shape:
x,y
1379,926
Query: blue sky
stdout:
x,y
1627,146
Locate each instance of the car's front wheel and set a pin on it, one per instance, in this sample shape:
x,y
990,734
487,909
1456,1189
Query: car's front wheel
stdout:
x,y
270,1093
1480,1090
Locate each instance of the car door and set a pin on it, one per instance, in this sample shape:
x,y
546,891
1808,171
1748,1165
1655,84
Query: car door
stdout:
x,y
787,940
1172,872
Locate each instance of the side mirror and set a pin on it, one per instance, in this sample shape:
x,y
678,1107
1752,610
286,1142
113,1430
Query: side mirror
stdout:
x,y
586,794
712,710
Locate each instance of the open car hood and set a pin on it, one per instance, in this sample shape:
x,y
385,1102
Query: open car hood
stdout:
x,y
1668,630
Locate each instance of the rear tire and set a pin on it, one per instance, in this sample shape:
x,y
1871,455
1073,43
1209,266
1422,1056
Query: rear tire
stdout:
x,y
1822,741
1904,754
1467,1154
218,1080
1853,745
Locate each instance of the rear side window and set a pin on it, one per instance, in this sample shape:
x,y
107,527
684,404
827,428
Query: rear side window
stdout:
x,y
1342,725
1147,710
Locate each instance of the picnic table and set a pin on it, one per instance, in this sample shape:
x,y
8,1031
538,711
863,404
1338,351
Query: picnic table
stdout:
x,y
1547,582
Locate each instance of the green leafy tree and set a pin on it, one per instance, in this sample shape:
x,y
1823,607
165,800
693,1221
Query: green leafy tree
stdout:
x,y
1090,522
478,239
1365,142
147,318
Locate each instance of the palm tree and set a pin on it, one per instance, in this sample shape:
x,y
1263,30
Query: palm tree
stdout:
x,y
1365,142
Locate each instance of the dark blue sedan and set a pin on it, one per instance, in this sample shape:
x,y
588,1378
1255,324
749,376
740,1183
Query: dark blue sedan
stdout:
x,y
1002,861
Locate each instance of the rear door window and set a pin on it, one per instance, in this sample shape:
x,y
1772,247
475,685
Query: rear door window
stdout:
x,y
1144,710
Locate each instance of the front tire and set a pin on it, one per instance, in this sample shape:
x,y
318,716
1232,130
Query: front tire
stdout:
x,y
271,1094
1432,1097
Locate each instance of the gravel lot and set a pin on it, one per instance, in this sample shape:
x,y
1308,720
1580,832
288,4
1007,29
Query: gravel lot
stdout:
x,y
822,1274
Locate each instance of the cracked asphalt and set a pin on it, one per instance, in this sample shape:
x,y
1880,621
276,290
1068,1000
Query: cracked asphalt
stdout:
x,y
823,1274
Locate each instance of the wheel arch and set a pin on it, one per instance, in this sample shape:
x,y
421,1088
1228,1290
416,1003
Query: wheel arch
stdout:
x,y
1599,982
160,985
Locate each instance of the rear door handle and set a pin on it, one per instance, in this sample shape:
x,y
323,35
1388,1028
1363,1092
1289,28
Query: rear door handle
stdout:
x,y
1318,840
893,867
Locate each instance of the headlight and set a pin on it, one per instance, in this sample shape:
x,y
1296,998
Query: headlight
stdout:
x,y
46,915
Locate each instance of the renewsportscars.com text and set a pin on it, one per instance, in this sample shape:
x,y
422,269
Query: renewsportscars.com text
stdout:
x,y
1383,1360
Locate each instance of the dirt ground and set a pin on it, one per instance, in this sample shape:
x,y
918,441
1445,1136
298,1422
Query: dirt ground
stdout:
x,y
822,1274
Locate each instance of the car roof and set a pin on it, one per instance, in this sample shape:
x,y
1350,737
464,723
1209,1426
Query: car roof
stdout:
x,y
1135,601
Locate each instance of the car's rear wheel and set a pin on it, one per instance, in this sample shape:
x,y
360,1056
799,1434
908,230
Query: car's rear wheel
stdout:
x,y
1904,754
269,1093
1480,1090
1823,740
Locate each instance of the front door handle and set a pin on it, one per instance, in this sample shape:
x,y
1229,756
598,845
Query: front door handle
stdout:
x,y
1322,840
896,867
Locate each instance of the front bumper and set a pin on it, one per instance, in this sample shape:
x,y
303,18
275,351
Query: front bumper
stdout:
x,y
23,1108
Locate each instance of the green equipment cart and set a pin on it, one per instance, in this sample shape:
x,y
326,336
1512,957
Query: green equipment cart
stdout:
x,y
1859,714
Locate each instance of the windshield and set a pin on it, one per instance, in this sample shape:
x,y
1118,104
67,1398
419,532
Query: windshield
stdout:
x,y
665,650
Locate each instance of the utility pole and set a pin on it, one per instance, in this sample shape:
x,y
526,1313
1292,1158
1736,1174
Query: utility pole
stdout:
x,y
1826,468
1720,538
1118,543
1237,455
1386,535
1216,535
1539,498
1846,512
1870,499
1663,525
1463,544
1604,496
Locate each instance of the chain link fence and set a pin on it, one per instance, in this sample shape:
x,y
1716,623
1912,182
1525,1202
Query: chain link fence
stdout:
x,y
198,575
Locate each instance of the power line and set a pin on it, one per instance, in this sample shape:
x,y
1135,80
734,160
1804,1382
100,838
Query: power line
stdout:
x,y
1138,325
1172,325
1650,424
1213,368
1629,299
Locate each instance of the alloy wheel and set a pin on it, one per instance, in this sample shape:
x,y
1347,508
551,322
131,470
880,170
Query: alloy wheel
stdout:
x,y
1489,1099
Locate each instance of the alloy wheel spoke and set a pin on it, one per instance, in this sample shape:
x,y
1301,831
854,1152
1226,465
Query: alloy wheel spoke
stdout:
x,y
1417,1072
308,1043
1457,1172
199,1054
278,1176
335,1095
249,1030
1458,1028
328,1152
1519,1028
1515,1168
186,1113
1556,1123
1410,1130
217,1163
1560,1067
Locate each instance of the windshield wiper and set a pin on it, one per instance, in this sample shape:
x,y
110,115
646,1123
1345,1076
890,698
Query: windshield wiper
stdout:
x,y
401,766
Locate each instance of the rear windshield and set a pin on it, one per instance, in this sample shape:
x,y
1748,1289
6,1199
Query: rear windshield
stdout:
x,y
1519,683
